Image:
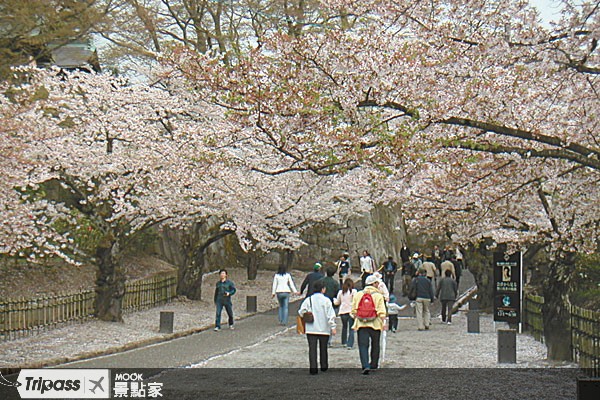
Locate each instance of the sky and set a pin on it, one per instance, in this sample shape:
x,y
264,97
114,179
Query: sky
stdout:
x,y
549,9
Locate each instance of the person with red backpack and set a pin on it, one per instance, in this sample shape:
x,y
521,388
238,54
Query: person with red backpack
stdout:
x,y
368,311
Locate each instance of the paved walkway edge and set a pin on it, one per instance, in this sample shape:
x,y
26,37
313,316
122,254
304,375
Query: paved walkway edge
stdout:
x,y
118,349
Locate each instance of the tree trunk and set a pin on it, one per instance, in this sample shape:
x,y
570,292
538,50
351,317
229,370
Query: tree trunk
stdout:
x,y
252,265
557,330
287,258
110,284
479,261
190,277
187,250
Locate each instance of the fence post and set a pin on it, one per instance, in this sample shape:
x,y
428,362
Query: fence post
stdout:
x,y
473,321
251,304
166,322
507,346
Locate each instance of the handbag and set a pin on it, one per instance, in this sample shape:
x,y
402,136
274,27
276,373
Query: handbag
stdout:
x,y
308,316
300,325
301,320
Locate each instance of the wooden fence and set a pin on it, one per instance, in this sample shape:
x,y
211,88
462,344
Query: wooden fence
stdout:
x,y
585,331
22,317
533,320
152,292
585,339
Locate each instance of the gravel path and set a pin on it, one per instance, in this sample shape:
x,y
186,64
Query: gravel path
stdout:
x,y
444,362
443,346
92,338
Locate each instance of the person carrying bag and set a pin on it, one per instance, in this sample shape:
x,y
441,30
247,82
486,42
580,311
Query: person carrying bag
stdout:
x,y
319,319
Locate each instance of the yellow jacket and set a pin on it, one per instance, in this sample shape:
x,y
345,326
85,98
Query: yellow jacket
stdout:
x,y
377,323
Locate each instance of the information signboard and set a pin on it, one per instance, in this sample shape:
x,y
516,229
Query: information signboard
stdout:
x,y
507,287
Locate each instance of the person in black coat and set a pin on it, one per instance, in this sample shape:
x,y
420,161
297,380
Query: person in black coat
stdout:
x,y
309,281
457,269
447,291
408,272
405,253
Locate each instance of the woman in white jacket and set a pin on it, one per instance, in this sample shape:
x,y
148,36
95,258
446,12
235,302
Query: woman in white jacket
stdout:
x,y
320,328
283,286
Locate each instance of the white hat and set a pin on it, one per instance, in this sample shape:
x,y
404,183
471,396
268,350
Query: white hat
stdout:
x,y
377,275
416,255
371,279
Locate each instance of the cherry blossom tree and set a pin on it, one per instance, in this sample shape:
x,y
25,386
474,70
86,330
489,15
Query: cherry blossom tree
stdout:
x,y
109,160
124,157
478,119
485,120
408,81
270,212
285,206
22,221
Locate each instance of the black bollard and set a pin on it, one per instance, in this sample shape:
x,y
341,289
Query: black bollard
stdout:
x,y
473,321
251,304
473,304
507,346
166,322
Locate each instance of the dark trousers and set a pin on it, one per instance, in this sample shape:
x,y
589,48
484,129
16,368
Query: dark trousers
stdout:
x,y
406,279
447,310
393,322
363,278
389,282
366,335
228,308
312,352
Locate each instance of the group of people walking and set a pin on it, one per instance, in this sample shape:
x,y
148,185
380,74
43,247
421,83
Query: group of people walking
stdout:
x,y
425,278
364,311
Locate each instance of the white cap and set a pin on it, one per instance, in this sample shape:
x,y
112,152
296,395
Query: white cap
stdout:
x,y
371,279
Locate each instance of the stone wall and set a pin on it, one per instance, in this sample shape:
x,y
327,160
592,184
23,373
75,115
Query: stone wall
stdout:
x,y
381,232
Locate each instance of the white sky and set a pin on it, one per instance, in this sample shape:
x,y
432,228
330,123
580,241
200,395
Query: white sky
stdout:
x,y
549,9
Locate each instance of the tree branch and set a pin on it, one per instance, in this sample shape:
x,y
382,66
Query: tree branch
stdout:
x,y
579,150
527,153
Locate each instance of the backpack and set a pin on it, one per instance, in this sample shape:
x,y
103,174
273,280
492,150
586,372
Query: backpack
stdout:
x,y
366,308
389,266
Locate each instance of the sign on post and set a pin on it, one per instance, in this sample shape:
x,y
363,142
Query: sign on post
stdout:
x,y
508,287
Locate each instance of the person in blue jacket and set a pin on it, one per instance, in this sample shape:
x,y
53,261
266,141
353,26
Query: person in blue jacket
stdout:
x,y
223,292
